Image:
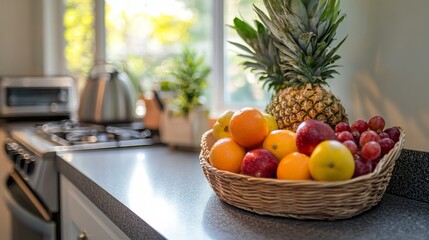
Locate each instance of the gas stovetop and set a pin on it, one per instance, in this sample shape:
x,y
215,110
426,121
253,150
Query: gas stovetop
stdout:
x,y
90,136
70,135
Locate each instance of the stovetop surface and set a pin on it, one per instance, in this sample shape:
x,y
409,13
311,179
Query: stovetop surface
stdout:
x,y
74,133
70,135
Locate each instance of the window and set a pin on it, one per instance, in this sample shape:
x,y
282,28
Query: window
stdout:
x,y
241,86
79,37
145,34
142,35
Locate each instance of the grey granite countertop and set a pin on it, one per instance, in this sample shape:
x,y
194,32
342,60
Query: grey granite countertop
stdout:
x,y
155,193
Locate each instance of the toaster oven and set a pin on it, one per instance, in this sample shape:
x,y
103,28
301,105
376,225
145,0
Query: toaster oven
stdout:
x,y
37,96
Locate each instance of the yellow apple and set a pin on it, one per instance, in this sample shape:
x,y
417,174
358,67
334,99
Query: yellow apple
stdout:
x,y
221,127
272,124
331,161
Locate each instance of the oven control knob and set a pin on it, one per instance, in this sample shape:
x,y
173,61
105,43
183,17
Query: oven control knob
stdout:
x,y
7,147
22,159
16,156
17,160
11,150
30,164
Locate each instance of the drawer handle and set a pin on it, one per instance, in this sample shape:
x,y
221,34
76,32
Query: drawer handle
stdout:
x,y
82,236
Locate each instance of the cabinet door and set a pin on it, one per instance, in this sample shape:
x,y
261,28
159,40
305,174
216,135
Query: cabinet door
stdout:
x,y
81,219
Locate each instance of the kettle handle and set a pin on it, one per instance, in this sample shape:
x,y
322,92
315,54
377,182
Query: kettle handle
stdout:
x,y
103,68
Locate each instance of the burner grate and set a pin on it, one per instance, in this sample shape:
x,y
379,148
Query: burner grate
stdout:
x,y
67,133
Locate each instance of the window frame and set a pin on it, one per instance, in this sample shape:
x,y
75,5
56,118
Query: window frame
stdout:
x,y
218,74
219,105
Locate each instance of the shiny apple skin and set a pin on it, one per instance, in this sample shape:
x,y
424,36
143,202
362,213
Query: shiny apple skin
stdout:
x,y
312,132
259,163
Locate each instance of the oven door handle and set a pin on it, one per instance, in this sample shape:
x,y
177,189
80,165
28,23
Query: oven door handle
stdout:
x,y
29,194
19,211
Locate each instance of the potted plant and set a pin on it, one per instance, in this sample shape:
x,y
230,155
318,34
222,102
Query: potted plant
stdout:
x,y
185,119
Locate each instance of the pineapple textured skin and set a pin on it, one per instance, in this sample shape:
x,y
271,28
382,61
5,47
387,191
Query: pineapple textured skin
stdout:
x,y
293,105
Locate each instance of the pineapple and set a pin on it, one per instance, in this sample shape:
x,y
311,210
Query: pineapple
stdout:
x,y
290,52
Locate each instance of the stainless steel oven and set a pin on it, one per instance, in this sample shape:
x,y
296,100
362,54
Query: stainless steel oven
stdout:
x,y
32,188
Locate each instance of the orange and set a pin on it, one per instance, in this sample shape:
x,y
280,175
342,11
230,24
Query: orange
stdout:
x,y
331,161
294,166
227,155
248,127
280,143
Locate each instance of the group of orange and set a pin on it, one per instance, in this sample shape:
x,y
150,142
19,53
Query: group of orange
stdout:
x,y
247,129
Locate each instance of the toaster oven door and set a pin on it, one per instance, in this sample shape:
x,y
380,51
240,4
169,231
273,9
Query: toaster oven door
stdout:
x,y
35,101
31,96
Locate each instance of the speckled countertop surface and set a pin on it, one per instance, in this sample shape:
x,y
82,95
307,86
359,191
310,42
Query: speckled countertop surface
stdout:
x,y
156,193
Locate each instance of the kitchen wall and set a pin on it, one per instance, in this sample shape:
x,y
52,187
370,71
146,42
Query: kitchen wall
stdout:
x,y
385,61
31,37
19,40
30,44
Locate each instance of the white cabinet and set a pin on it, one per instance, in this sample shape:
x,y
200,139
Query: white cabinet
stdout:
x,y
81,219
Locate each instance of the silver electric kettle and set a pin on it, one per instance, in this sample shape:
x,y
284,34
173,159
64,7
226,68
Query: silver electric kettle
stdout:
x,y
108,96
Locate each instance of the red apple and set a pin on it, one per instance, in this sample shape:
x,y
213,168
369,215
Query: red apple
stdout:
x,y
259,163
310,133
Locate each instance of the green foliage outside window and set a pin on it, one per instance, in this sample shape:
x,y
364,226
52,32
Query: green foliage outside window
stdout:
x,y
140,42
79,36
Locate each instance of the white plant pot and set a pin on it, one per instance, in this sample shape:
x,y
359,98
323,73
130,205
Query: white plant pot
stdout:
x,y
184,131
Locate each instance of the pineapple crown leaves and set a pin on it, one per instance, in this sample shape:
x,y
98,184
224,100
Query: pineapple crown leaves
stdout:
x,y
260,53
302,32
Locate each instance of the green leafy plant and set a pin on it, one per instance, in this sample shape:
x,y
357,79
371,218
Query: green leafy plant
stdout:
x,y
190,74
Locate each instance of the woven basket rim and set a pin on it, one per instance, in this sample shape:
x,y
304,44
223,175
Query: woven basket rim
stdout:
x,y
381,167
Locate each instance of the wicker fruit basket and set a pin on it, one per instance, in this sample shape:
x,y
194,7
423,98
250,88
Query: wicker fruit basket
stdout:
x,y
300,199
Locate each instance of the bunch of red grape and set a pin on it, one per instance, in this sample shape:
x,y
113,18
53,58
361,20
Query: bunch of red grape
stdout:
x,y
367,141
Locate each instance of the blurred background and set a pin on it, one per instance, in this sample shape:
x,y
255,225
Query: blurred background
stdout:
x,y
384,60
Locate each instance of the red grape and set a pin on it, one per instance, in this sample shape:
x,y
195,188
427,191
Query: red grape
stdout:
x,y
344,136
371,151
386,145
342,126
376,123
383,135
368,136
362,166
375,162
351,145
336,135
359,125
356,136
393,133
